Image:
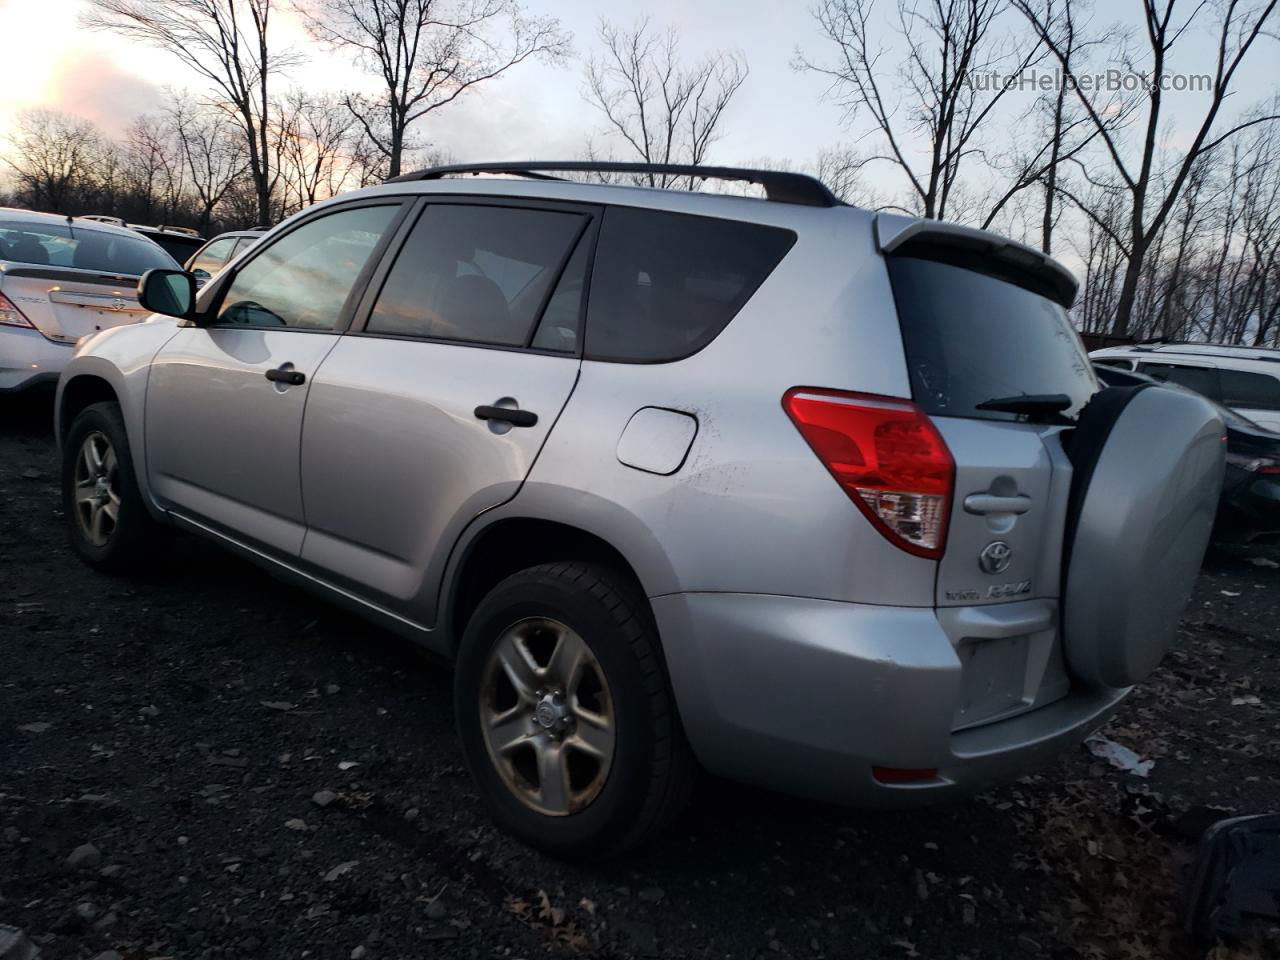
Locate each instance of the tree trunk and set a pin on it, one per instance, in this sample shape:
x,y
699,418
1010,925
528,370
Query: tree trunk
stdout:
x,y
1128,291
397,149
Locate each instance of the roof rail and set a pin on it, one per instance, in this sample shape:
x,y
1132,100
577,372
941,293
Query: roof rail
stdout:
x,y
779,186
189,231
102,218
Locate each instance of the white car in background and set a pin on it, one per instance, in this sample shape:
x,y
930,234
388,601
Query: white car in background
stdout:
x,y
62,278
1246,379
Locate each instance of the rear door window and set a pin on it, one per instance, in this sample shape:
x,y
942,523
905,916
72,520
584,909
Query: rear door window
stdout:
x,y
665,284
1203,380
474,273
1244,389
970,337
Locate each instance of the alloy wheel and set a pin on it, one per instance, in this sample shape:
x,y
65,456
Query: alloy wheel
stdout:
x,y
547,716
97,502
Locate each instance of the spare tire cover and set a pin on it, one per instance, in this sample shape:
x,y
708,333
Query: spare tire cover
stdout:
x,y
1148,470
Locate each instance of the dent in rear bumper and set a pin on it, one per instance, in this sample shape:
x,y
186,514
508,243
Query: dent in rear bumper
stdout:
x,y
805,696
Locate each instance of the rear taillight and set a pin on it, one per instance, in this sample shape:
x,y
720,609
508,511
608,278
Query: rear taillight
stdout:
x,y
11,316
888,457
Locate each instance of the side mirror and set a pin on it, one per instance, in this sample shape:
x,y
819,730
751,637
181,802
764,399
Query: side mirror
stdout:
x,y
171,292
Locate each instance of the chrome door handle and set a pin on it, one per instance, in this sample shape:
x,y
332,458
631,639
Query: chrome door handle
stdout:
x,y
982,503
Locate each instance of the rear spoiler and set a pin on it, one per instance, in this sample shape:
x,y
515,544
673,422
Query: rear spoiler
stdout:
x,y
935,239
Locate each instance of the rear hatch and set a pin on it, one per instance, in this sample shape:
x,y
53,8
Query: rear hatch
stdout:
x,y
73,280
995,363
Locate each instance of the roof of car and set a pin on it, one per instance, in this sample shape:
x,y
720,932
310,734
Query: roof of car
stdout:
x,y
76,223
1232,351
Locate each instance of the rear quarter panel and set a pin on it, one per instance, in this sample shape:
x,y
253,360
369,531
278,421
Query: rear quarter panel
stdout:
x,y
751,509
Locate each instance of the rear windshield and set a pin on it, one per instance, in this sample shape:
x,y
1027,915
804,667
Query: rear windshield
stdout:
x,y
81,247
971,338
178,247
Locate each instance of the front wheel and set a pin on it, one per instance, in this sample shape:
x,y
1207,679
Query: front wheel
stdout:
x,y
107,521
565,714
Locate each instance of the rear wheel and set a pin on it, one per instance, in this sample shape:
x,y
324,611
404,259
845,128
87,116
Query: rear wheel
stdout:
x,y
565,713
107,521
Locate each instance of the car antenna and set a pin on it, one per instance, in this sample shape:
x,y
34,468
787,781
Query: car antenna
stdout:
x,y
71,226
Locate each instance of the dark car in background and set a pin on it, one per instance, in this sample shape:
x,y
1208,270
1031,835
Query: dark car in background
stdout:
x,y
179,242
1249,510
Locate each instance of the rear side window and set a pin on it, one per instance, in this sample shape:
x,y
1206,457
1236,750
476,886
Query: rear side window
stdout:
x,y
665,284
476,274
970,337
1244,389
1203,380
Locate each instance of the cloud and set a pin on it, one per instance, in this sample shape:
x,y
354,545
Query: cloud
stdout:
x,y
90,85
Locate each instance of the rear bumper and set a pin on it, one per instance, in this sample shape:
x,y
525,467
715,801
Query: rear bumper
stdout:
x,y
27,359
806,696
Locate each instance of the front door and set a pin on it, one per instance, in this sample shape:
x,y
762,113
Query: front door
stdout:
x,y
435,409
225,400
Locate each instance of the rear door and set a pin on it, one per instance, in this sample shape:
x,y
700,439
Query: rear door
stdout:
x,y
434,409
975,332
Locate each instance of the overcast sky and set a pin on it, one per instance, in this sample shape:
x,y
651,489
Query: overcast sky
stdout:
x,y
535,111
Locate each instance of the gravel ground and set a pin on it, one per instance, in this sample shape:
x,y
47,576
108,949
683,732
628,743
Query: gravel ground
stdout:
x,y
203,763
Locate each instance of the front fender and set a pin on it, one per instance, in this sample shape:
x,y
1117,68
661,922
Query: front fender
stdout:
x,y
121,358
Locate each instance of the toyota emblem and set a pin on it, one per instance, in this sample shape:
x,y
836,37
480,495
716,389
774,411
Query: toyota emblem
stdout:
x,y
995,557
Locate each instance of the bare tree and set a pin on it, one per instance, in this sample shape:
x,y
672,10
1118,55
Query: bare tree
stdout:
x,y
950,46
663,109
153,175
213,154
841,169
227,43
52,156
427,53
315,134
1150,203
1059,134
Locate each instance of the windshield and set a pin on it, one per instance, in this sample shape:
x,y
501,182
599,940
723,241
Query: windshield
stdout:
x,y
85,248
971,338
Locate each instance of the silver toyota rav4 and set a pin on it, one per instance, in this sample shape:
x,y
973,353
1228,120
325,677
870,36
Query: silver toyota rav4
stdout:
x,y
801,494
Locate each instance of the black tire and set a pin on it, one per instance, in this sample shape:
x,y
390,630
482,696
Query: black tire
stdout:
x,y
652,772
127,545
